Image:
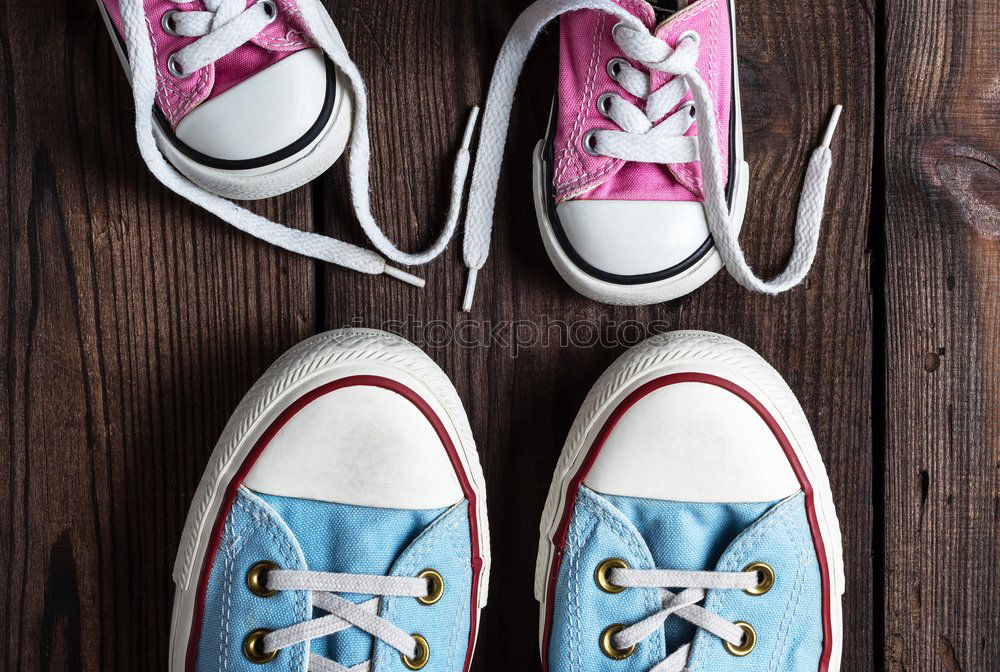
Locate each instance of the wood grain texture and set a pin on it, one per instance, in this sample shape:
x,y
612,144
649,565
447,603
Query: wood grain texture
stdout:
x,y
133,324
942,288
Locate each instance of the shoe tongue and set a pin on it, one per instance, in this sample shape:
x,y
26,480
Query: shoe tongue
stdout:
x,y
353,539
689,536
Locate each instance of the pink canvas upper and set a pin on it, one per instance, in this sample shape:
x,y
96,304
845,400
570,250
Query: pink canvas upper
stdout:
x,y
178,96
585,48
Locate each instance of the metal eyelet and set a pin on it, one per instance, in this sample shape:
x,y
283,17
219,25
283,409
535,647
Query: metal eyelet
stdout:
x,y
257,579
601,575
608,647
589,142
175,69
253,647
604,104
270,8
765,578
167,23
436,588
423,654
749,640
693,34
614,67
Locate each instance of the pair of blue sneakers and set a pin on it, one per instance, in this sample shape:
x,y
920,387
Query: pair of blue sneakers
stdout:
x,y
342,525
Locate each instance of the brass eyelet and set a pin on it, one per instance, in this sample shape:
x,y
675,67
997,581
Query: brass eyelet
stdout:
x,y
253,647
436,588
765,578
257,579
749,640
423,654
601,575
608,647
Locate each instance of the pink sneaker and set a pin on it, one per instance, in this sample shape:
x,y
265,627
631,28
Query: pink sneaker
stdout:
x,y
640,183
253,98
246,105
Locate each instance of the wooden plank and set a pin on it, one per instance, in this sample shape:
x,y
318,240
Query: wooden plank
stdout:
x,y
942,287
424,67
133,324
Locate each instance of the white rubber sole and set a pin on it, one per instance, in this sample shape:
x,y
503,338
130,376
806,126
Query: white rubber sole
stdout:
x,y
645,294
693,352
670,288
271,180
314,362
277,178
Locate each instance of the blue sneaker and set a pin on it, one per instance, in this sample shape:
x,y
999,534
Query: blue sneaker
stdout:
x,y
341,523
690,525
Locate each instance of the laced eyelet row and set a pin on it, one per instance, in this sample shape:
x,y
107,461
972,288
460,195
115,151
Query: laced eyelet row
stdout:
x,y
746,645
170,28
614,68
254,651
256,582
765,581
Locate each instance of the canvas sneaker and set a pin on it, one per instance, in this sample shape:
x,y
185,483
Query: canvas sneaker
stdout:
x,y
640,183
341,522
247,99
690,524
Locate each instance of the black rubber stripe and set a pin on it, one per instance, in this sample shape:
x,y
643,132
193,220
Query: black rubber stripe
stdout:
x,y
274,157
257,162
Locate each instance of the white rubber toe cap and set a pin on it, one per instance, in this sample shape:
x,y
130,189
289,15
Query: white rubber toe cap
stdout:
x,y
693,442
262,115
633,237
359,445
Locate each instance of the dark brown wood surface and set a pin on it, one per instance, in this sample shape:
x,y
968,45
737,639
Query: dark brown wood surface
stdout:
x,y
135,322
941,283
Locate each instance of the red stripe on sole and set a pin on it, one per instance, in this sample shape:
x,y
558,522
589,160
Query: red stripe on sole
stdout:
x,y
559,540
261,445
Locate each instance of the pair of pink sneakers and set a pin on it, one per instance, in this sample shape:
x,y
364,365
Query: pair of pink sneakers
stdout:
x,y
640,183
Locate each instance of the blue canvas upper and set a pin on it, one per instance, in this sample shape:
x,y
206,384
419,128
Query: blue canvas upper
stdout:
x,y
657,534
328,537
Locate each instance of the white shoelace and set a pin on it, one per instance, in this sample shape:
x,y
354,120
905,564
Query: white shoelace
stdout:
x,y
641,139
225,26
682,604
342,613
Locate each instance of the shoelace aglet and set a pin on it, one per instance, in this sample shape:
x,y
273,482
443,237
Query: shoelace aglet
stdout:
x,y
470,289
470,127
832,126
400,274
470,283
